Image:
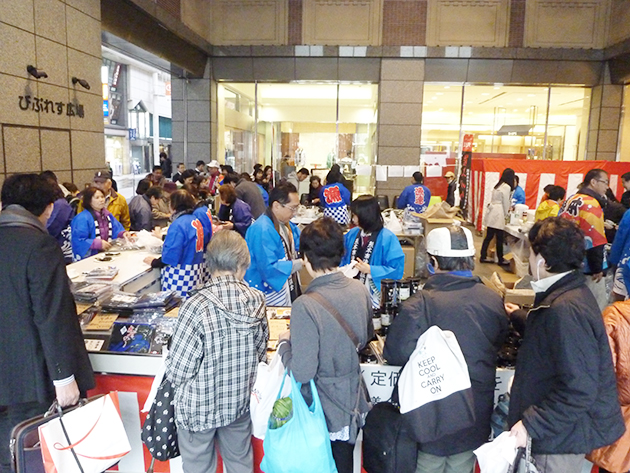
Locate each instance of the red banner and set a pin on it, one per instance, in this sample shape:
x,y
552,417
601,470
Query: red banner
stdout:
x,y
534,176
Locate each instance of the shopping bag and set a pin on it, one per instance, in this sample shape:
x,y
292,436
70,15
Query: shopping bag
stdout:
x,y
159,432
269,378
302,443
97,438
498,455
434,388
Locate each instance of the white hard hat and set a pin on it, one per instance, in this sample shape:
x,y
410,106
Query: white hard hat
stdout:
x,y
213,164
439,243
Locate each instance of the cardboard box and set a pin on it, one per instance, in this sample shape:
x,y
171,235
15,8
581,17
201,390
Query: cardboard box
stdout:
x,y
522,297
430,223
410,261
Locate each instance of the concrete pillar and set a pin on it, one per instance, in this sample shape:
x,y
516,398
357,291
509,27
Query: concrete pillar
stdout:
x,y
400,118
191,107
605,120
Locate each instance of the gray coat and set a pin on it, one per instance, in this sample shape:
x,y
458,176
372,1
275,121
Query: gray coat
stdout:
x,y
322,350
250,193
498,207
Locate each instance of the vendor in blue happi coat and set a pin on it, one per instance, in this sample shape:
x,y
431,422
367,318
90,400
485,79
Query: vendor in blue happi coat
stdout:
x,y
274,243
182,255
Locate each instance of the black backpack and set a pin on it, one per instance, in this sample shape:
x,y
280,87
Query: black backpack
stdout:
x,y
387,446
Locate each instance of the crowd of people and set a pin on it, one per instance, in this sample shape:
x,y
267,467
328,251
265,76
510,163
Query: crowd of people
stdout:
x,y
228,268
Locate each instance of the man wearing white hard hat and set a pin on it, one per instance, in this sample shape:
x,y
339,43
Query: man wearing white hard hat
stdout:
x,y
455,300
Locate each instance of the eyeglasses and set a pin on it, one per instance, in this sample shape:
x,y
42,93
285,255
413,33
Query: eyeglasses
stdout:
x,y
292,208
605,181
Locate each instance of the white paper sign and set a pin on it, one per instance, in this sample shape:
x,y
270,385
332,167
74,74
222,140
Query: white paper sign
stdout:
x,y
409,170
433,171
364,170
381,173
395,171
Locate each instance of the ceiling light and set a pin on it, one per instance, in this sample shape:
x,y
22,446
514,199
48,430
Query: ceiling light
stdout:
x,y
515,110
447,86
440,109
531,95
486,93
439,93
519,100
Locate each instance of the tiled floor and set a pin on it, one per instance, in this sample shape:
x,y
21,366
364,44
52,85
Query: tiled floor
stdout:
x,y
485,269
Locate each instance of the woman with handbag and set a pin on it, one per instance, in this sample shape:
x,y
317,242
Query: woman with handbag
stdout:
x,y
220,337
323,343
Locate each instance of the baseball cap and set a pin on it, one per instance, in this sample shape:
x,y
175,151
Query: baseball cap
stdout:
x,y
213,164
439,242
101,176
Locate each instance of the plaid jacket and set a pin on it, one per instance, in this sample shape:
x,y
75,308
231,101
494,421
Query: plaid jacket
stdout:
x,y
220,337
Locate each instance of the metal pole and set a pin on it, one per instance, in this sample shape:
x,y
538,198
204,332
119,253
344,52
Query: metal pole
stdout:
x,y
544,156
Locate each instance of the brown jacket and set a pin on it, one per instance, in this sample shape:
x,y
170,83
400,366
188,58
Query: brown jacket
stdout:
x,y
616,457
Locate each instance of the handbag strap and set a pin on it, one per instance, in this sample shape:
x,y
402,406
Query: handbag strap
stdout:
x,y
335,313
65,433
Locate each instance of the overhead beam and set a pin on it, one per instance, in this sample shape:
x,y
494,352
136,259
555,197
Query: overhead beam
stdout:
x,y
128,21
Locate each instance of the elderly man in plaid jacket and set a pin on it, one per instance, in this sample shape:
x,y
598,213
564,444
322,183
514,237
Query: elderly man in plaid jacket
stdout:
x,y
220,338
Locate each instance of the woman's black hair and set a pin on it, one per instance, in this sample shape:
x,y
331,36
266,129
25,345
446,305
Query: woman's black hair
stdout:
x,y
182,200
560,241
508,177
322,243
556,193
315,178
143,186
88,194
367,210
334,175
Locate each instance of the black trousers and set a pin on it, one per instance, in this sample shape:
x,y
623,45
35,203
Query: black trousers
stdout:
x,y
10,416
490,234
342,453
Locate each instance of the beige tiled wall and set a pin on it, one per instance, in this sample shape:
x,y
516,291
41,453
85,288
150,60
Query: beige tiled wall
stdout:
x,y
62,38
605,120
400,118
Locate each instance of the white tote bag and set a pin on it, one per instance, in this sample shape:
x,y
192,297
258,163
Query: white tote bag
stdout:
x,y
97,434
264,393
435,370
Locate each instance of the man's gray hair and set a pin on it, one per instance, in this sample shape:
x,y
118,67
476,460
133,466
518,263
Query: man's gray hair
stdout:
x,y
227,251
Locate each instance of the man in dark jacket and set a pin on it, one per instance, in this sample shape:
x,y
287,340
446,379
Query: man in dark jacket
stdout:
x,y
454,300
42,353
248,192
564,394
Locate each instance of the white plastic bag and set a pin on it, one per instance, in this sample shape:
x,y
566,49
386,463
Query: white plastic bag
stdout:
x,y
264,392
436,369
498,455
392,222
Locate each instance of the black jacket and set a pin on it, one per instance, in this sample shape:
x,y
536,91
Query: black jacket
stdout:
x,y
475,314
564,388
40,340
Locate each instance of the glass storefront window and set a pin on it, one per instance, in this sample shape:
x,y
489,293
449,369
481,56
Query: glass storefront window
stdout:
x,y
506,121
311,125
